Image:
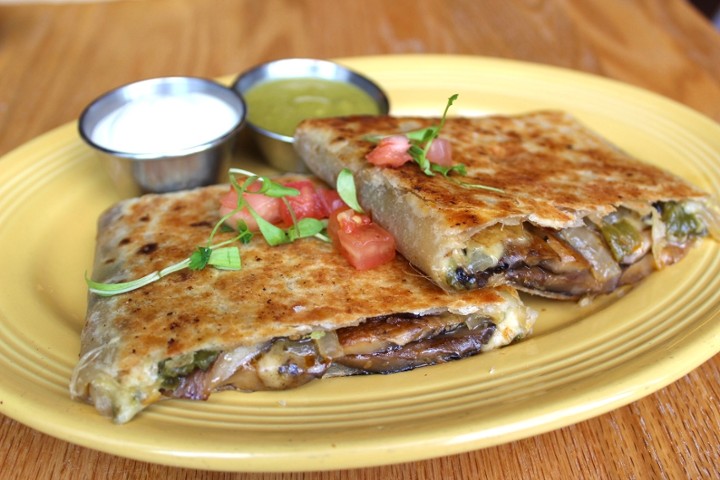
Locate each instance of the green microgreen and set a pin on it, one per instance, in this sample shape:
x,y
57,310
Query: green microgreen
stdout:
x,y
108,289
267,186
306,227
422,139
224,258
227,258
200,258
345,186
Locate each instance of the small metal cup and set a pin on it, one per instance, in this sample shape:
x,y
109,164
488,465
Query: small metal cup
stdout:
x,y
278,149
167,171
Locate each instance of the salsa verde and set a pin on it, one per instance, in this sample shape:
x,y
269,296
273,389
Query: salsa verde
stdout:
x,y
280,105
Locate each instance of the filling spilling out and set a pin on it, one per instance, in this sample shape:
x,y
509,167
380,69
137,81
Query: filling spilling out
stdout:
x,y
385,344
595,258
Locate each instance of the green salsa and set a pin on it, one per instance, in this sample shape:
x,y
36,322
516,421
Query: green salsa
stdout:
x,y
280,105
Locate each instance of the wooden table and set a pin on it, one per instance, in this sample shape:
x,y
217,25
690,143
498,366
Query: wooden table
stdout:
x,y
54,59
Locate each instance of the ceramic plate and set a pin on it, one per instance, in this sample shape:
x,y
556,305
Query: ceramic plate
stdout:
x,y
581,361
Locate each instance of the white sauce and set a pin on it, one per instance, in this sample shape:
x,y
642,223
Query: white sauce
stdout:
x,y
164,123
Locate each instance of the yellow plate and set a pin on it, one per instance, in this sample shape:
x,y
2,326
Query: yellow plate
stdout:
x,y
581,362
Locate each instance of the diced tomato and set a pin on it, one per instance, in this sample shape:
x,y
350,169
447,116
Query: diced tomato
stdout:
x,y
390,152
330,200
363,243
440,152
306,205
268,208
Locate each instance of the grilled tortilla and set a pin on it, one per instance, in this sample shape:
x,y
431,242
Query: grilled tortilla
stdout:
x,y
575,217
293,313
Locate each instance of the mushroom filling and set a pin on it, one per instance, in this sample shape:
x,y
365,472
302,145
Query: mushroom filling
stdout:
x,y
597,257
385,344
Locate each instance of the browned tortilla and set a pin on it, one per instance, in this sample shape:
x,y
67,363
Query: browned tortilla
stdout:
x,y
284,291
553,172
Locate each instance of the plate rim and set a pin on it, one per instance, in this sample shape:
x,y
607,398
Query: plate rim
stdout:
x,y
331,460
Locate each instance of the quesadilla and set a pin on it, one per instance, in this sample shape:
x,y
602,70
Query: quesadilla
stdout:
x,y
545,205
292,313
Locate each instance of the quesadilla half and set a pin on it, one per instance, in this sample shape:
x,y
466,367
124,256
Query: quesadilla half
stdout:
x,y
546,204
292,313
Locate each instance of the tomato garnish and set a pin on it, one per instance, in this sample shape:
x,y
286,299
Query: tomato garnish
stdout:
x,y
306,205
362,242
267,207
390,152
440,152
330,200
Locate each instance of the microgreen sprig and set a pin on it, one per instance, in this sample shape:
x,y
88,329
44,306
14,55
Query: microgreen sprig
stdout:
x,y
420,142
345,186
225,258
422,139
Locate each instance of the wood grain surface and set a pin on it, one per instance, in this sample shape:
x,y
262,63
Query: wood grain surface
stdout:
x,y
56,58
